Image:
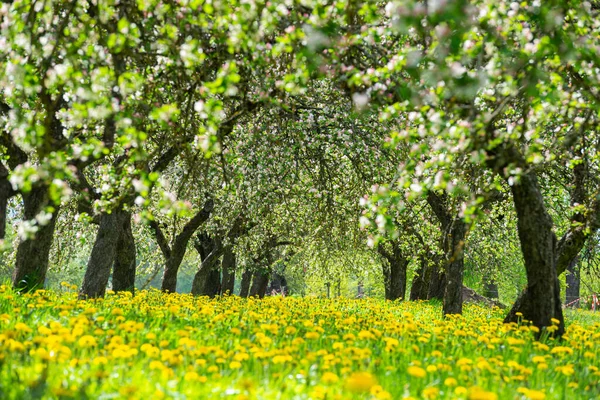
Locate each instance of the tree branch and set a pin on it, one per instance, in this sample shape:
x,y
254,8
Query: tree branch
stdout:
x,y
161,239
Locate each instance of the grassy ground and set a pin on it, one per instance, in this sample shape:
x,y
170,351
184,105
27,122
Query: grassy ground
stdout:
x,y
154,346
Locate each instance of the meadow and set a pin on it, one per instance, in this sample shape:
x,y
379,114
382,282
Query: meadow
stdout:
x,y
156,346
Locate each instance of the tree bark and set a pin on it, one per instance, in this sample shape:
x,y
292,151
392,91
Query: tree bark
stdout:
x,y
437,281
541,301
394,272
447,282
245,284
210,250
213,283
570,245
573,284
228,265
169,279
360,290
385,269
398,280
200,280
123,278
33,254
174,255
6,193
420,283
103,255
453,299
260,281
277,283
490,287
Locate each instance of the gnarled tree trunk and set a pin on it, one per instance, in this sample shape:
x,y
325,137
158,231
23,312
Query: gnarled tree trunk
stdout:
x,y
174,255
103,254
490,289
245,284
385,269
541,301
278,283
447,281
453,299
420,283
260,281
395,271
123,278
573,284
6,193
437,281
210,251
212,288
398,279
33,254
228,266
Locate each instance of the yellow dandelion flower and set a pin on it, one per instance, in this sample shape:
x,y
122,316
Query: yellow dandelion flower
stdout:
x,y
360,382
532,394
431,368
450,382
311,335
417,372
329,377
379,393
477,393
430,392
87,341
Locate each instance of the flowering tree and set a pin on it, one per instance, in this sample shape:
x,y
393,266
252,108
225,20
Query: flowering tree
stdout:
x,y
439,110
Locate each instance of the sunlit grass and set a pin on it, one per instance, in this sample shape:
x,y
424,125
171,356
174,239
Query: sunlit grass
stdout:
x,y
154,346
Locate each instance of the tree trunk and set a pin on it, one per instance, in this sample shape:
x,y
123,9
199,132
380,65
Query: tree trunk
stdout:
x,y
33,254
277,283
437,281
385,269
394,271
541,301
245,284
213,283
6,193
573,284
447,281
169,279
228,266
260,282
103,255
200,280
398,267
210,250
490,287
398,280
570,245
174,256
360,291
454,269
420,283
123,278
